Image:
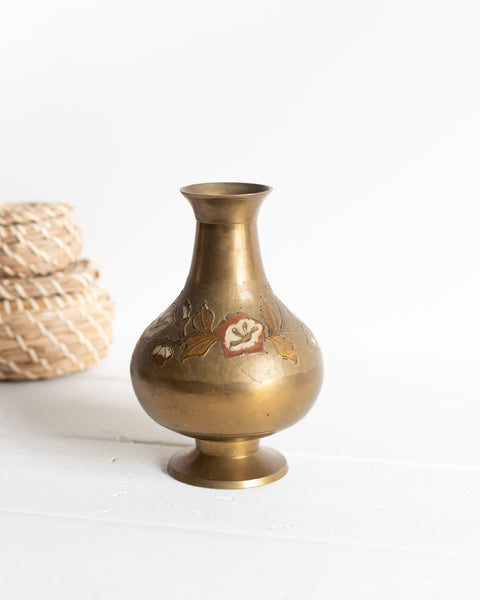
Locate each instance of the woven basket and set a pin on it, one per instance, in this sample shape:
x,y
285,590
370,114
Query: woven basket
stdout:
x,y
66,329
37,239
76,277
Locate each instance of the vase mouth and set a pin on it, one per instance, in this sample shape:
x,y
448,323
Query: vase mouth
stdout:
x,y
225,189
226,202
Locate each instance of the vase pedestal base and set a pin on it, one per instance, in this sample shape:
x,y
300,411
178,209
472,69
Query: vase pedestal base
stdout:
x,y
228,465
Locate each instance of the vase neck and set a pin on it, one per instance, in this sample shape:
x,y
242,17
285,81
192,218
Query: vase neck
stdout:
x,y
227,254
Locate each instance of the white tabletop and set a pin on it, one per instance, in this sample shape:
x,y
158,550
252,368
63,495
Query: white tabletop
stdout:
x,y
381,500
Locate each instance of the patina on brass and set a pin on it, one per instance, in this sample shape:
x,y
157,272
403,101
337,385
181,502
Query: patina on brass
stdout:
x,y
227,363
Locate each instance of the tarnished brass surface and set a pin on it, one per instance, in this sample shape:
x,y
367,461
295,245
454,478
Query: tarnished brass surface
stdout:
x,y
227,363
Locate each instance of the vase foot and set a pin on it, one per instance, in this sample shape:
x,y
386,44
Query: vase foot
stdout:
x,y
228,465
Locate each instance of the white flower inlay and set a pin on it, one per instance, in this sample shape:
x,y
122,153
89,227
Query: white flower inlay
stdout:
x,y
242,335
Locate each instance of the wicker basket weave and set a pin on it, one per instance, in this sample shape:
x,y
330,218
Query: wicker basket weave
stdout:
x,y
37,239
67,329
75,278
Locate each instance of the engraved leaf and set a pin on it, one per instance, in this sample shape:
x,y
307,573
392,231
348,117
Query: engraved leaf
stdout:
x,y
270,318
198,344
284,347
203,319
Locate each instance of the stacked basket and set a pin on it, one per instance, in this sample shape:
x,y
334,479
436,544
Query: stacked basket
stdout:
x,y
55,318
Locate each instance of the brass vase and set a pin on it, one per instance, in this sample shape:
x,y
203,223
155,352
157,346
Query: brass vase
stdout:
x,y
227,363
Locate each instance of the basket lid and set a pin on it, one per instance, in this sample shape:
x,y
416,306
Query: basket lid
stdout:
x,y
20,213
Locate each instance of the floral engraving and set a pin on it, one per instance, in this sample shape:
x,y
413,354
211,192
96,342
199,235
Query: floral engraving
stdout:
x,y
310,338
282,344
161,322
202,337
162,353
238,333
284,347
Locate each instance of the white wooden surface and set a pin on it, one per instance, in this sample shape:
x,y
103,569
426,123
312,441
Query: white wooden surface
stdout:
x,y
381,501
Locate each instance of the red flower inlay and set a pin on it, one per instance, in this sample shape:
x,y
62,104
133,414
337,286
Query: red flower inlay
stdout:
x,y
239,333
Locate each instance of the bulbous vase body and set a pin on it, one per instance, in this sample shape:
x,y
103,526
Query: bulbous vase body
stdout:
x,y
227,363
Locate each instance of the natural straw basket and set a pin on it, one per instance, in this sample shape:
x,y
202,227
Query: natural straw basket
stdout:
x,y
67,329
37,239
76,277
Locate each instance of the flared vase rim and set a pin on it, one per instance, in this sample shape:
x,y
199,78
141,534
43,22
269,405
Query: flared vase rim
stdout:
x,y
225,189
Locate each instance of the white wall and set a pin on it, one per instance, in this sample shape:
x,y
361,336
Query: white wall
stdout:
x,y
363,116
